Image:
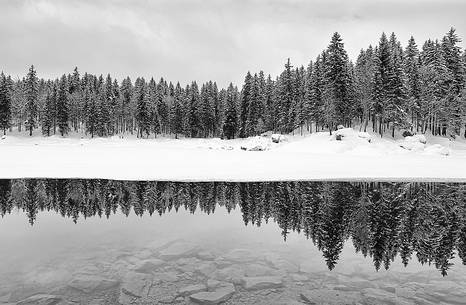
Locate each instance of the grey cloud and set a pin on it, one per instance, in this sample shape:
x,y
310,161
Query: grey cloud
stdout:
x,y
195,39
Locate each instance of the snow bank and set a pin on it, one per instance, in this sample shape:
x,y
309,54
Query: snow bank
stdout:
x,y
312,157
437,149
418,143
257,144
277,138
349,134
418,138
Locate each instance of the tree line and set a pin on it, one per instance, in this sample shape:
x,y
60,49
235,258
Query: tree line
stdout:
x,y
388,88
383,220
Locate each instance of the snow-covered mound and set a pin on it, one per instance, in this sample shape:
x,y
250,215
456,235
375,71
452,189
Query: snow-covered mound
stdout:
x,y
349,134
257,144
437,149
277,138
418,143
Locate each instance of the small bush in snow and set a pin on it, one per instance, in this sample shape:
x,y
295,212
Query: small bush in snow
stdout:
x,y
340,127
3,137
407,133
277,138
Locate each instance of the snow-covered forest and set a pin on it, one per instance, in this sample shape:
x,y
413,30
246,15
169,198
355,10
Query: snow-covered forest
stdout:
x,y
389,87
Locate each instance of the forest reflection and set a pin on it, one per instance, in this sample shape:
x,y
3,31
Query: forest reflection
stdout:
x,y
422,221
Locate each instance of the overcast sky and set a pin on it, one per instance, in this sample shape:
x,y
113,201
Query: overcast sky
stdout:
x,y
201,40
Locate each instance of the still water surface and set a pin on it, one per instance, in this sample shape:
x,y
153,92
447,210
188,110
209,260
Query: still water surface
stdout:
x,y
119,242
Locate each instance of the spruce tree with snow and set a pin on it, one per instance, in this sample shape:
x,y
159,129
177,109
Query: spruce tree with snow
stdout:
x,y
382,75
270,105
300,103
193,123
395,109
5,104
454,63
339,81
436,82
176,111
230,126
142,108
315,91
245,102
126,120
411,67
75,99
285,99
31,93
91,106
254,110
364,75
62,106
162,107
48,116
153,96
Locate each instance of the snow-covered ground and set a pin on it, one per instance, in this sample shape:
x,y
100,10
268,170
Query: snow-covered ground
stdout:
x,y
315,156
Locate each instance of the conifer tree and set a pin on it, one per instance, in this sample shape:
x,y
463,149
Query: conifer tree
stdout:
x,y
364,74
142,108
49,110
176,112
285,96
395,109
5,104
381,94
193,105
230,126
315,91
31,87
90,106
411,68
245,102
270,107
153,97
254,109
126,121
62,106
339,81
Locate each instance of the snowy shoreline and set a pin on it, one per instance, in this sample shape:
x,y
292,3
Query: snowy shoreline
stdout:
x,y
309,158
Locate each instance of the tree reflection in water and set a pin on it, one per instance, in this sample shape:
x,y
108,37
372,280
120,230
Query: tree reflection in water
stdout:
x,y
383,220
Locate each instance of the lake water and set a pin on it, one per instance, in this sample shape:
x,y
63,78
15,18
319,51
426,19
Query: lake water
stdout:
x,y
120,242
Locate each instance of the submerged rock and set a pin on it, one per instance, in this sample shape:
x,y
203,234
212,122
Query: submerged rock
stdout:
x,y
206,269
220,294
41,299
379,296
149,265
329,296
91,283
188,290
262,282
280,263
241,256
229,274
258,270
178,250
206,255
135,285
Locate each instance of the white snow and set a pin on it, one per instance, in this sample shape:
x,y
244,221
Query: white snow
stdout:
x,y
310,157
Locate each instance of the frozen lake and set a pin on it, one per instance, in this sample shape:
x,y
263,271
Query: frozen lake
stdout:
x,y
78,241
